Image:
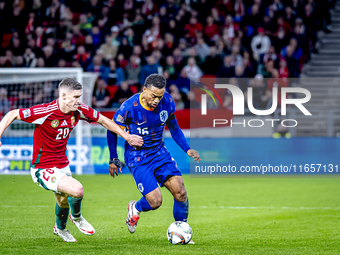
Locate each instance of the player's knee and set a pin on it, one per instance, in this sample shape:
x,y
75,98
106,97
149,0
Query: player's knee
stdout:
x,y
156,202
78,191
63,203
181,195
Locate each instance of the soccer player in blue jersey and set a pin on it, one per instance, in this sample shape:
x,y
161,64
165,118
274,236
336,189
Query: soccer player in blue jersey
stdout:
x,y
146,114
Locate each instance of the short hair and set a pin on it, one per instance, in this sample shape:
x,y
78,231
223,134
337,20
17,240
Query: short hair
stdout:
x,y
155,80
69,83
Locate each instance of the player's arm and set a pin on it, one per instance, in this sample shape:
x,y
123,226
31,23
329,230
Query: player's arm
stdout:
x,y
114,162
179,138
7,120
133,140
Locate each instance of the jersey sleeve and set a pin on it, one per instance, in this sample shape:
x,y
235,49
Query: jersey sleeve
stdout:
x,y
87,113
172,106
37,114
121,116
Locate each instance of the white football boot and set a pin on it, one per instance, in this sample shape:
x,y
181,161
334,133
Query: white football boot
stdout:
x,y
132,217
84,227
191,242
64,234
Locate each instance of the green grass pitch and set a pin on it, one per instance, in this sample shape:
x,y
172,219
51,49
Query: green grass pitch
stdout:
x,y
227,215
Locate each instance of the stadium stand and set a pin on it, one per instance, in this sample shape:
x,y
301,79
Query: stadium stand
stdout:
x,y
261,41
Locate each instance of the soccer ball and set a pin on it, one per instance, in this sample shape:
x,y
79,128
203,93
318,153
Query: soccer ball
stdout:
x,y
179,232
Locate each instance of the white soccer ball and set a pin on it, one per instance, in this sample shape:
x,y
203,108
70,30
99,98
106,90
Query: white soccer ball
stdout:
x,y
179,232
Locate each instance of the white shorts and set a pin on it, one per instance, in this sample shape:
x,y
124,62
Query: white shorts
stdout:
x,y
50,177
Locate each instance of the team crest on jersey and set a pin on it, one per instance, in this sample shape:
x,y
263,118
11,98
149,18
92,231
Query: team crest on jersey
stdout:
x,y
140,187
27,113
53,179
55,123
120,118
163,115
73,120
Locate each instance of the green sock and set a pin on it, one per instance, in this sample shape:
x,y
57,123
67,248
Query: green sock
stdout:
x,y
62,215
75,204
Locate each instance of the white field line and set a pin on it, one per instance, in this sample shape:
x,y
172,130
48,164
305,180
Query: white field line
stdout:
x,y
203,207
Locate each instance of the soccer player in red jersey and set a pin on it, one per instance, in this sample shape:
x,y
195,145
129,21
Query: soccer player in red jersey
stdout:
x,y
50,167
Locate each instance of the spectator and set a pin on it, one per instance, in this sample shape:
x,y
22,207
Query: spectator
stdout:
x,y
176,96
30,59
97,67
54,13
202,49
133,69
193,71
218,19
178,59
297,51
96,36
89,47
227,70
192,53
68,50
16,47
292,62
278,83
49,58
82,57
236,58
5,104
229,30
114,36
170,67
239,10
40,62
260,43
212,62
149,9
261,95
283,70
62,63
108,50
84,26
169,44
228,98
101,96
150,68
270,55
18,61
125,48
211,29
39,37
122,62
122,94
116,74
61,31
193,26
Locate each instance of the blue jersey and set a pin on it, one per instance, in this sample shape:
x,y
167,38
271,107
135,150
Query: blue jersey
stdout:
x,y
138,119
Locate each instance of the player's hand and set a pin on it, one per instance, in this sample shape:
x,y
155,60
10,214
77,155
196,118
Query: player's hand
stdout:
x,y
194,154
135,140
113,166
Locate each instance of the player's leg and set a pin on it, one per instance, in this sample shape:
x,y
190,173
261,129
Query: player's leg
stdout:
x,y
61,211
175,185
74,192
151,199
170,176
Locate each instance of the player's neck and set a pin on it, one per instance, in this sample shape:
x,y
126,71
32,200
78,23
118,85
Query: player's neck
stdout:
x,y
63,108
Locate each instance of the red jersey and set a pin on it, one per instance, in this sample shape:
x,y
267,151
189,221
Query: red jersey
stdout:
x,y
52,129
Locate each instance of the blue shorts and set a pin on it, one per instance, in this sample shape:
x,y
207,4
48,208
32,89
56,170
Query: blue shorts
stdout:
x,y
157,171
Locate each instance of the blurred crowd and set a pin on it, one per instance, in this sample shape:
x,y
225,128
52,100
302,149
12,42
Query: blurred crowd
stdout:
x,y
188,40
